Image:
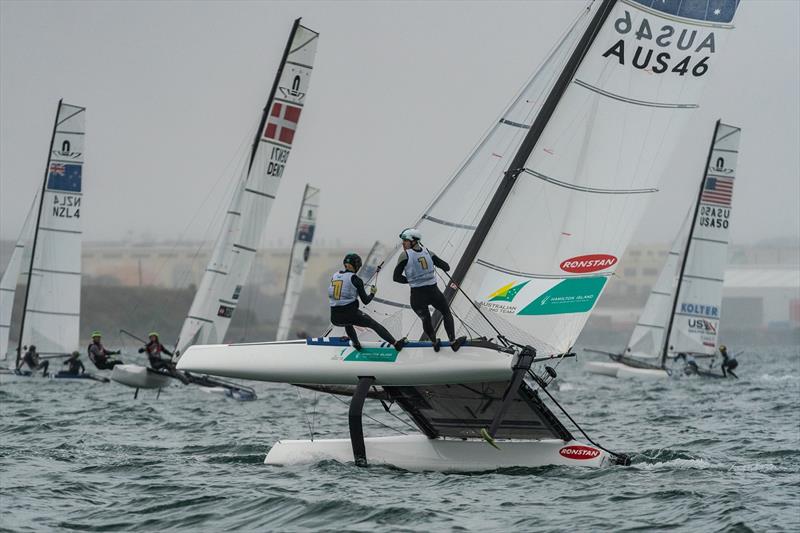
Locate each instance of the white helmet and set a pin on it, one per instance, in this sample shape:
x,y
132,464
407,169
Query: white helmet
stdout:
x,y
410,234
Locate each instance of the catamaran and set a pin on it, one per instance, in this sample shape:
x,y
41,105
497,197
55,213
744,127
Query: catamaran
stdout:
x,y
49,248
301,250
534,221
683,311
243,226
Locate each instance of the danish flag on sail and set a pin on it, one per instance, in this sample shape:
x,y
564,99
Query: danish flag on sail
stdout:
x,y
282,122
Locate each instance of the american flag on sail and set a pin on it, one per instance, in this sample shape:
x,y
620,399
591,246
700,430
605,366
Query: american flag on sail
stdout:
x,y
717,190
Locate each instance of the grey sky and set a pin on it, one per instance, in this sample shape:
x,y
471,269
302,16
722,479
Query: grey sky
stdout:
x,y
400,94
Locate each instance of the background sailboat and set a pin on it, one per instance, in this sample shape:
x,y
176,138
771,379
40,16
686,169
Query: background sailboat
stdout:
x,y
50,318
242,229
298,258
683,312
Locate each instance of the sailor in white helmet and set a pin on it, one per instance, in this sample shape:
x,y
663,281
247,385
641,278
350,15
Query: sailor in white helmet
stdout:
x,y
416,266
343,294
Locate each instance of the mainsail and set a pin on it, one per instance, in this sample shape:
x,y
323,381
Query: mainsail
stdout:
x,y
694,323
8,283
51,316
243,227
591,136
301,249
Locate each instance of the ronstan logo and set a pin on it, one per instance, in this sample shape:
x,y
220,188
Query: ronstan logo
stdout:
x,y
579,452
582,264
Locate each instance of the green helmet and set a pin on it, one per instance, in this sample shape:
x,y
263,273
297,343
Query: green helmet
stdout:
x,y
96,334
153,334
76,353
353,260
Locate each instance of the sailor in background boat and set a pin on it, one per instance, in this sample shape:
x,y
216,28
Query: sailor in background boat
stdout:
x,y
729,362
690,364
100,356
31,358
75,367
416,266
155,350
343,294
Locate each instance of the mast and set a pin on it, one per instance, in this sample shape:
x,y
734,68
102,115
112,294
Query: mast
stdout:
x,y
36,234
268,105
291,255
524,152
685,259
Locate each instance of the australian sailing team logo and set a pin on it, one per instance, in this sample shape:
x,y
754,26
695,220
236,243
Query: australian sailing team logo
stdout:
x,y
581,453
507,292
583,264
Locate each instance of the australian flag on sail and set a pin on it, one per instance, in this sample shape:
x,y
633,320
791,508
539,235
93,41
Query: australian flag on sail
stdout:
x,y
717,190
64,177
707,10
305,232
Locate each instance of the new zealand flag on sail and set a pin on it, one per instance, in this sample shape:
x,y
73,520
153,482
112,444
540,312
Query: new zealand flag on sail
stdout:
x,y
64,177
708,10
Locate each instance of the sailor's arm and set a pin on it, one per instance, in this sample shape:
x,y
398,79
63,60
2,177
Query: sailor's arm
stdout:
x,y
398,275
438,262
358,283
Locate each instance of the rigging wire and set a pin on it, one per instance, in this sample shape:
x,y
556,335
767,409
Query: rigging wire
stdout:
x,y
538,381
378,421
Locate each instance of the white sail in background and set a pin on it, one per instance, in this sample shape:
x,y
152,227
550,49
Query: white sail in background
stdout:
x,y
695,322
243,227
372,261
8,283
647,339
51,318
301,249
450,220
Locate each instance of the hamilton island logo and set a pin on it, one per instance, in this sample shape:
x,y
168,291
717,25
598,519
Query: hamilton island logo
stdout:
x,y
506,293
372,355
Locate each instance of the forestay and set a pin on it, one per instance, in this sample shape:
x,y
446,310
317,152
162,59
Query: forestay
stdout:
x,y
243,227
8,283
697,310
51,318
647,339
567,211
301,249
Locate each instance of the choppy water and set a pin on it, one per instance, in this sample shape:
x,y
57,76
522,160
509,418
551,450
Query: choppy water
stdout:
x,y
708,455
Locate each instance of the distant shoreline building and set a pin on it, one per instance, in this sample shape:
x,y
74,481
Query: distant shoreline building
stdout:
x,y
761,290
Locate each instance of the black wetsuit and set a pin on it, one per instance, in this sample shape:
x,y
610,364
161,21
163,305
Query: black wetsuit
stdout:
x,y
729,363
31,359
349,315
154,350
428,295
100,356
75,368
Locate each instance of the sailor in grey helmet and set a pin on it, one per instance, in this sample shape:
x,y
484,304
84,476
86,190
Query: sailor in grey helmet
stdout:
x,y
416,266
343,294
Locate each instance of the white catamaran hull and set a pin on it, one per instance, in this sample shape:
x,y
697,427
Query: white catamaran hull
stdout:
x,y
139,377
603,368
325,362
419,453
620,370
